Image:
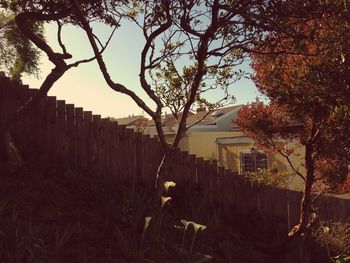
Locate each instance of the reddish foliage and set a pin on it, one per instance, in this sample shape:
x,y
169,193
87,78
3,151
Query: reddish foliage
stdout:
x,y
266,124
308,86
331,173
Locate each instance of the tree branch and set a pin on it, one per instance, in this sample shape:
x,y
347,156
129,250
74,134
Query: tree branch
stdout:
x,y
77,63
200,71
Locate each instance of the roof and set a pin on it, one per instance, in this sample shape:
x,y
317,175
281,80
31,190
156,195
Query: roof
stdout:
x,y
129,120
233,140
211,118
219,120
169,120
202,116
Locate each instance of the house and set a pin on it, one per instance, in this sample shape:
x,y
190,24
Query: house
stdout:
x,y
201,136
240,154
169,125
203,128
215,136
136,122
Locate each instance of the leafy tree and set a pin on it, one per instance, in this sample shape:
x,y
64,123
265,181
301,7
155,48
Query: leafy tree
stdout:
x,y
197,44
309,90
173,87
190,47
17,54
29,15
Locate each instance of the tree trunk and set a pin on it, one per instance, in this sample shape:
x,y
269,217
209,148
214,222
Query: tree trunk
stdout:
x,y
165,170
305,208
10,159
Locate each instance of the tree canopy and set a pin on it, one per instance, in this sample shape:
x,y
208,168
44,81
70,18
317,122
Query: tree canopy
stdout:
x,y
17,53
309,90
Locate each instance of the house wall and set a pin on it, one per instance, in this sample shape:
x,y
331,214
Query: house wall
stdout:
x,y
229,157
203,144
297,160
183,145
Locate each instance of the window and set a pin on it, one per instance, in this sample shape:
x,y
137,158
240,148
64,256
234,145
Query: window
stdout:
x,y
251,162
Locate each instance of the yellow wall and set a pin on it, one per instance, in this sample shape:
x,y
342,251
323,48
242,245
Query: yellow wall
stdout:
x,y
297,160
183,145
229,156
203,143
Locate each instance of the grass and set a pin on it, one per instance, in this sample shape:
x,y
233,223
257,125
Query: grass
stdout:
x,y
48,214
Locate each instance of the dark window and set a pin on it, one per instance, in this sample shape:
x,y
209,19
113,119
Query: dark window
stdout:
x,y
251,162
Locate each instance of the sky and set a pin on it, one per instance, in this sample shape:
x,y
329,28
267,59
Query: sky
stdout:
x,y
85,87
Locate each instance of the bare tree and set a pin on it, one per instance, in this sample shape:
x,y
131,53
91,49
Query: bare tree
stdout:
x,y
190,47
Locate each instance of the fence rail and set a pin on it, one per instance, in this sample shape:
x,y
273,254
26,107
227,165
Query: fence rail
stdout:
x,y
80,139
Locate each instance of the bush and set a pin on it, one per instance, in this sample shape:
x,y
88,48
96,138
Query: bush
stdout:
x,y
269,177
335,237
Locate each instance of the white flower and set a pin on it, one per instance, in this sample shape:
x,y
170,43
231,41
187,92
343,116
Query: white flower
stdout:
x,y
168,184
147,220
186,223
198,227
165,200
325,230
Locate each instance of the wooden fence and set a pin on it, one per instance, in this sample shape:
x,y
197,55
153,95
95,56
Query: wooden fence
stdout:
x,y
81,140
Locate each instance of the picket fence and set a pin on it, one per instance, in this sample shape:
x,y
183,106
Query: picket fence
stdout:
x,y
81,140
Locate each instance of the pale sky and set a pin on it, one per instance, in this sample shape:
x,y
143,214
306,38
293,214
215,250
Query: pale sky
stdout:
x,y
85,87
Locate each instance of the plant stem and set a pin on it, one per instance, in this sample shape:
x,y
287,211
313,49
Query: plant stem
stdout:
x,y
160,221
192,244
183,239
142,238
327,247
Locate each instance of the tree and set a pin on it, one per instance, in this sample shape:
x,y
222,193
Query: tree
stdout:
x,y
197,44
28,17
17,54
190,47
309,90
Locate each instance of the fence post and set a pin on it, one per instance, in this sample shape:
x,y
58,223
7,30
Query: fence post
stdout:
x,y
204,178
184,166
96,131
106,136
60,129
131,149
79,134
70,135
147,171
40,115
192,172
21,130
123,154
51,115
200,171
227,190
154,158
114,149
88,138
213,182
32,122
219,187
139,172
174,167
